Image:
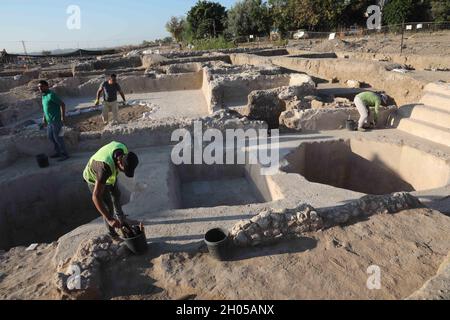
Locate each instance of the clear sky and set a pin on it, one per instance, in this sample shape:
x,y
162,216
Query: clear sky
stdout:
x,y
42,24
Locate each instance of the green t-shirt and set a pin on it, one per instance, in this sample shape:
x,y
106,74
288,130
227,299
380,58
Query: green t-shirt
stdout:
x,y
51,104
371,100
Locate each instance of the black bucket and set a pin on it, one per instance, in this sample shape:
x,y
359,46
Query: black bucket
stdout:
x,y
138,245
42,160
351,125
218,244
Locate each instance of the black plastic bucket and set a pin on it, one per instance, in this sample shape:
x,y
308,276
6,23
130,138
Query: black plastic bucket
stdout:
x,y
138,245
351,125
42,160
218,244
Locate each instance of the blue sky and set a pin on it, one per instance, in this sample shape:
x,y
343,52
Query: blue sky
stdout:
x,y
42,23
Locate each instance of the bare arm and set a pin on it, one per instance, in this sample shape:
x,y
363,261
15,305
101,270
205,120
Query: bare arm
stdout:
x,y
97,195
122,95
376,112
63,112
99,93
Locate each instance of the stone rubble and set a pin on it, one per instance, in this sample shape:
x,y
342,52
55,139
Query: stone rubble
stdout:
x,y
228,119
353,84
370,205
272,225
91,254
268,105
325,118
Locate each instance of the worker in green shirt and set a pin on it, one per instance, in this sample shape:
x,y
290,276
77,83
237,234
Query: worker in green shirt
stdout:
x,y
365,101
101,174
54,118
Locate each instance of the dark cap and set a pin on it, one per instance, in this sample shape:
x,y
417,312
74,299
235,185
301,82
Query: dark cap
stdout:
x,y
130,162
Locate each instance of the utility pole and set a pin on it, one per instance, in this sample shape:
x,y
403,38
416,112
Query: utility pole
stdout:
x,y
24,48
403,36
26,54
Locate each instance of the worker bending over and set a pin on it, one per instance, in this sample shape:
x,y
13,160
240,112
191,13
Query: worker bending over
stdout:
x,y
365,101
101,176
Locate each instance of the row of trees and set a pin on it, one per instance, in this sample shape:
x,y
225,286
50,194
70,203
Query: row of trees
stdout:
x,y
207,19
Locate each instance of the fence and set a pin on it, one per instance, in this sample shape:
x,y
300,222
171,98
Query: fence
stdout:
x,y
407,27
261,40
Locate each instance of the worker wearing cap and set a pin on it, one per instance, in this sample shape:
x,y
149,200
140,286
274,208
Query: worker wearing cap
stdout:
x,y
101,176
364,102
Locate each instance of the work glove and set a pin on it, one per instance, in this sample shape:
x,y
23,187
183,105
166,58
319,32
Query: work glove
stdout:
x,y
97,102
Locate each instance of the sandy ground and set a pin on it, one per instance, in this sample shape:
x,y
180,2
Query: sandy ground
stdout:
x,y
26,274
332,264
424,43
179,104
408,248
93,121
188,103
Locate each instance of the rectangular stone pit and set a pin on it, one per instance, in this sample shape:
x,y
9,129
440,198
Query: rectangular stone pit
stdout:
x,y
367,166
222,185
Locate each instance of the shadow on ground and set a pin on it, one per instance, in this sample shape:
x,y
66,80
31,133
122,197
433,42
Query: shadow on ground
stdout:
x,y
283,247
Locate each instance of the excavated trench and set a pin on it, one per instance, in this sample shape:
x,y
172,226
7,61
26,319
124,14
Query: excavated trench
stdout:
x,y
207,186
41,207
368,166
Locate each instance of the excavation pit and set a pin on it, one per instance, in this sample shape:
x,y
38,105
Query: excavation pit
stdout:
x,y
368,167
42,206
206,186
164,104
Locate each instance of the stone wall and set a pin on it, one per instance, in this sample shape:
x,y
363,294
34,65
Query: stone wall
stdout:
x,y
328,119
134,84
22,78
15,106
419,62
142,133
403,88
268,105
272,225
111,63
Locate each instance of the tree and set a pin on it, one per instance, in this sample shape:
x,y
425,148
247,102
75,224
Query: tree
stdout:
x,y
399,11
282,17
176,27
288,15
248,17
187,34
354,13
440,10
46,53
207,19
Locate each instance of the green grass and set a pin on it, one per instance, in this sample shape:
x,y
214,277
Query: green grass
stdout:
x,y
213,43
